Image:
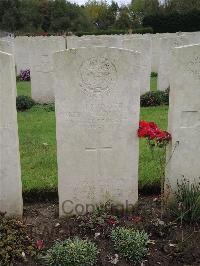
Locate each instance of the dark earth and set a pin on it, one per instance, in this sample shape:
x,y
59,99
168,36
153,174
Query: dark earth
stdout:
x,y
171,243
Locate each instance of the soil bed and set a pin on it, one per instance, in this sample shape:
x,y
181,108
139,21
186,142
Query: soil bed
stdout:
x,y
171,243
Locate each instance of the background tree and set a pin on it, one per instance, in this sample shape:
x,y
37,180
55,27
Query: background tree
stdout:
x,y
10,15
56,16
125,19
142,8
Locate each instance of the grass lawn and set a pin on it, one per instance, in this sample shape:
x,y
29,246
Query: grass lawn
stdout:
x,y
24,88
153,84
148,173
38,146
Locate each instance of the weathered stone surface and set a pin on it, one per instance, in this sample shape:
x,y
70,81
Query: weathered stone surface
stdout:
x,y
184,117
7,45
166,46
22,51
144,46
87,41
131,42
194,37
41,63
155,53
10,174
97,115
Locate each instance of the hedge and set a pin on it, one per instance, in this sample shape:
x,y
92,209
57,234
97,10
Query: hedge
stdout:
x,y
173,22
114,32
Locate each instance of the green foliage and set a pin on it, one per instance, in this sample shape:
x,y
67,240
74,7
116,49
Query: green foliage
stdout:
x,y
154,74
155,98
24,103
130,243
124,19
101,14
38,148
173,22
35,17
50,107
10,15
113,32
141,8
18,78
58,16
186,203
14,243
42,16
100,216
72,252
181,6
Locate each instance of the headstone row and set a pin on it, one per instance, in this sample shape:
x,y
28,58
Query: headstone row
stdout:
x,y
184,118
97,116
10,174
35,53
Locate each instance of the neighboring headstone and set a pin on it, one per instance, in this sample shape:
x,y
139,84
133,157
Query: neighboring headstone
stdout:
x,y
97,115
156,50
41,64
88,41
7,45
194,37
22,51
5,34
166,46
184,118
155,53
144,46
10,173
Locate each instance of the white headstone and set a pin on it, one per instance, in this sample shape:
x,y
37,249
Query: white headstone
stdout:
x,y
144,46
166,46
194,37
22,51
97,115
41,63
10,174
7,45
155,53
88,41
184,117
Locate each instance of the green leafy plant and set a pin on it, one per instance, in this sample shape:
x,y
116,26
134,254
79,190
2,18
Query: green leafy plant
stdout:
x,y
101,216
155,98
186,203
154,74
18,78
72,252
24,103
130,243
50,107
15,246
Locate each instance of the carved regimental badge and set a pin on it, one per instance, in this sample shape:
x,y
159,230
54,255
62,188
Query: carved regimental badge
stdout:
x,y
193,66
98,75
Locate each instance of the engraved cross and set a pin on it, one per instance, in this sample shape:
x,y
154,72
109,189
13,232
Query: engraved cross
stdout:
x,y
99,153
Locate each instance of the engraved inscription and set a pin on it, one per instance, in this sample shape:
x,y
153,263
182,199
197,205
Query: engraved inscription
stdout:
x,y
99,151
45,66
98,114
193,66
98,75
190,119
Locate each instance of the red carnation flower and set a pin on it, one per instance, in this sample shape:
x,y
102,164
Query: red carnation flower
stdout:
x,y
151,131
